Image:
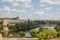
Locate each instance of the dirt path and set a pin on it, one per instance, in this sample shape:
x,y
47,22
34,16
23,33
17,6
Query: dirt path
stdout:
x,y
55,39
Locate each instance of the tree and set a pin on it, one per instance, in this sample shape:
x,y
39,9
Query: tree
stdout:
x,y
33,32
12,28
41,29
22,34
57,28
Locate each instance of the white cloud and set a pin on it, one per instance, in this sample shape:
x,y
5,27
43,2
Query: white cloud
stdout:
x,y
42,5
9,1
48,8
15,4
25,3
39,12
21,11
50,1
12,2
18,10
13,10
23,0
6,8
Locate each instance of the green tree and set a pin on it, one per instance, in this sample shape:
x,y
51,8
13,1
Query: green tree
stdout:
x,y
12,28
41,29
33,32
22,33
57,28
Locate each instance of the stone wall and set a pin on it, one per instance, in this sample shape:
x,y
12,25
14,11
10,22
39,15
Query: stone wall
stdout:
x,y
20,39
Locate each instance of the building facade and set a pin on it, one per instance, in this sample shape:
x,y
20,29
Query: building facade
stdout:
x,y
6,22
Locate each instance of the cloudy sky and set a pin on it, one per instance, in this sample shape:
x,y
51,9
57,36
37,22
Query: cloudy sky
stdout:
x,y
31,9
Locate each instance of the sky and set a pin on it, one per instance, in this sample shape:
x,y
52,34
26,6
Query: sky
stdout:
x,y
30,9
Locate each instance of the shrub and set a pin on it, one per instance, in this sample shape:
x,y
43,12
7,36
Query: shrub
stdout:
x,y
22,34
46,34
57,28
54,33
10,35
33,32
41,36
41,29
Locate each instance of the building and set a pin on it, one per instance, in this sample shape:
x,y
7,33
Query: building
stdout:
x,y
6,22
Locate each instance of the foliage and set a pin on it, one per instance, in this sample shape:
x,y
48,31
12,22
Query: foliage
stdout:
x,y
41,35
26,25
41,29
1,27
53,33
10,35
57,28
33,32
58,34
12,28
22,33
46,34
1,31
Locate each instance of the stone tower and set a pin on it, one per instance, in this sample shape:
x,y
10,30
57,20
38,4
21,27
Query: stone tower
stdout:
x,y
5,27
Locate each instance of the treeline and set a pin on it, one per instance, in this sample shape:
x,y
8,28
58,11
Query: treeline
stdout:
x,y
24,26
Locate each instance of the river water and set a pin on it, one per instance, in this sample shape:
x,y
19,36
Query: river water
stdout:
x,y
49,26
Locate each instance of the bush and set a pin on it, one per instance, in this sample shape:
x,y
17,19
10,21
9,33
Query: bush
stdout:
x,y
33,32
22,34
1,31
46,34
41,36
57,28
53,33
41,29
10,35
58,34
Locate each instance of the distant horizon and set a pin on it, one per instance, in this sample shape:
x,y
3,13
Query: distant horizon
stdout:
x,y
27,19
